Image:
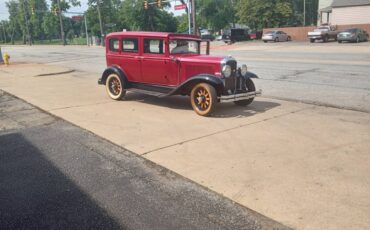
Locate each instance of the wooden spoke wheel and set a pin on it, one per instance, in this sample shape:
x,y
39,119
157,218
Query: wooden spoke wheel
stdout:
x,y
114,87
203,99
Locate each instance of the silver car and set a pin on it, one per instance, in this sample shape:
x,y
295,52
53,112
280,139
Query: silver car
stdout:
x,y
276,36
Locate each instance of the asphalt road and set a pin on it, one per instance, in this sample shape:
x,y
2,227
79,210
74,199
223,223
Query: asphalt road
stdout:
x,y
54,175
322,73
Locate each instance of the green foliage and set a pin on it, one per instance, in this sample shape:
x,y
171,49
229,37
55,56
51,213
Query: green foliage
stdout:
x,y
216,14
260,14
151,19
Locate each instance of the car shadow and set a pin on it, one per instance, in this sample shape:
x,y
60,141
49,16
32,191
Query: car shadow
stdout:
x,y
35,194
223,110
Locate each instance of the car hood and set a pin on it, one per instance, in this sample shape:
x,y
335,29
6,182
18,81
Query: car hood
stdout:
x,y
200,58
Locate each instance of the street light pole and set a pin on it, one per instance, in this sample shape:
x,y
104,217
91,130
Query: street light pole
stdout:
x,y
87,35
100,22
194,17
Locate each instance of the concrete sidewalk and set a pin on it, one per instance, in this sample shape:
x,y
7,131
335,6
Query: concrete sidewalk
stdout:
x,y
303,165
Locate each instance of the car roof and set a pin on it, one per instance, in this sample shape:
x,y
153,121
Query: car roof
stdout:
x,y
154,34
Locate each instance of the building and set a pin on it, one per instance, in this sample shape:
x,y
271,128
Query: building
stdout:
x,y
345,12
324,11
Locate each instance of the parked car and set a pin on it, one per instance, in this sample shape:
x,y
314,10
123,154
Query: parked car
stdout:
x,y
235,35
166,64
324,33
276,36
353,35
255,35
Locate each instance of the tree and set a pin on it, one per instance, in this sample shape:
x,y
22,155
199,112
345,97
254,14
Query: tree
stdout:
x,y
151,19
260,14
14,14
216,14
38,11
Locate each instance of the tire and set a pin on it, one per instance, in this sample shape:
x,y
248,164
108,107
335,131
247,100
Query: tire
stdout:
x,y
265,41
288,39
203,98
339,41
276,40
250,86
325,39
312,40
358,40
115,87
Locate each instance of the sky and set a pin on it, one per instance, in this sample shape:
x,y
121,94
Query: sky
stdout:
x,y
4,11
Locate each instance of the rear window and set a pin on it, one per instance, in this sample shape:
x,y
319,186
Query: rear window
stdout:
x,y
130,45
114,44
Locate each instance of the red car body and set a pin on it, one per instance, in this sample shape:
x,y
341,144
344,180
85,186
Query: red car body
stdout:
x,y
146,63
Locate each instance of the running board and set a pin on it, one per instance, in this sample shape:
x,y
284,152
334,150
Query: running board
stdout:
x,y
147,92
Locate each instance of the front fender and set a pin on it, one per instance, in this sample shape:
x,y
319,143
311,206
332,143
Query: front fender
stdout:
x,y
110,70
187,86
250,75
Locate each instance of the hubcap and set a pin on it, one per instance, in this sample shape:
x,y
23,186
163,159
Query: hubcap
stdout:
x,y
203,99
115,86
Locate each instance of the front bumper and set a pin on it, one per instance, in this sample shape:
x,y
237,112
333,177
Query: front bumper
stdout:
x,y
315,37
347,39
239,96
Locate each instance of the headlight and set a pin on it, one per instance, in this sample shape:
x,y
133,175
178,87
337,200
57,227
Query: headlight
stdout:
x,y
244,69
226,71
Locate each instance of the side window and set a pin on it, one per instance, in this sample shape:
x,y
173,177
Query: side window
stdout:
x,y
114,45
130,45
153,46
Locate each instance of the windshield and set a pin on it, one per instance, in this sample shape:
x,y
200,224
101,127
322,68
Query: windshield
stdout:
x,y
351,30
181,46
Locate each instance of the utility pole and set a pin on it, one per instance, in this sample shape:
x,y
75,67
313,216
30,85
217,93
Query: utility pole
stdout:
x,y
100,22
61,24
87,35
304,12
195,32
27,24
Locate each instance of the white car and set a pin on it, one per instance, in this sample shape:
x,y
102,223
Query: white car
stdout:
x,y
276,36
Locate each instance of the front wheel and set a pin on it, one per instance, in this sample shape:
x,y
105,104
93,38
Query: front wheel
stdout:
x,y
312,40
115,87
203,98
250,88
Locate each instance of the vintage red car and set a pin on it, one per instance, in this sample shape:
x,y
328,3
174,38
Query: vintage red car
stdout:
x,y
164,64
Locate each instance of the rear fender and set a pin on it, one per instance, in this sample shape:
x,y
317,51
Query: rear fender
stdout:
x,y
116,70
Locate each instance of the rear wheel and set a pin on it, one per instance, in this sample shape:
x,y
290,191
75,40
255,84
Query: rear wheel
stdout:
x,y
312,40
203,99
339,41
250,88
115,87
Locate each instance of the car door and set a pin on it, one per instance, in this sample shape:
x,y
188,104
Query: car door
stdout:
x,y
155,63
130,58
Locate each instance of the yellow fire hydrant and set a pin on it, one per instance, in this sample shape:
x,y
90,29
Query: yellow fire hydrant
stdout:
x,y
6,58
